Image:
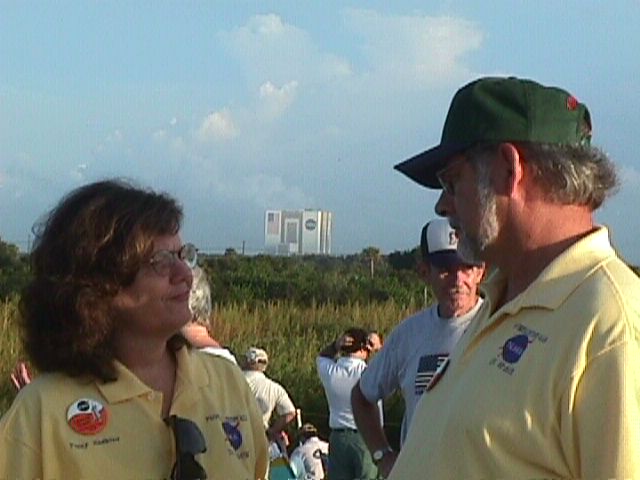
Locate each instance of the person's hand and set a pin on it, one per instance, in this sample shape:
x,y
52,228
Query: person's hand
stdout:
x,y
20,377
279,437
386,464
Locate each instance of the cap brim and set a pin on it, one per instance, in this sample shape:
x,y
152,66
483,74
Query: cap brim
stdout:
x,y
422,168
448,259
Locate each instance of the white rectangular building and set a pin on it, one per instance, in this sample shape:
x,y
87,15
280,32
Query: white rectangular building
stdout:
x,y
303,232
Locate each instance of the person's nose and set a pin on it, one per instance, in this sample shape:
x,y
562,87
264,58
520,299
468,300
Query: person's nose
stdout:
x,y
459,276
181,272
444,205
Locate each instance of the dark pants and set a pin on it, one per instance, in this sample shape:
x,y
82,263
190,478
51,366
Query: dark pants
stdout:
x,y
349,457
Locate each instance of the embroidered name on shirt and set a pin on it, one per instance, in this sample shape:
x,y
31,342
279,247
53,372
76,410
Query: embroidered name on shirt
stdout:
x,y
106,440
532,334
97,442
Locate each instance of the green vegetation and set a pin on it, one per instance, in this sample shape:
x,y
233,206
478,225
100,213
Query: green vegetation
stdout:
x,y
314,280
292,335
290,306
14,270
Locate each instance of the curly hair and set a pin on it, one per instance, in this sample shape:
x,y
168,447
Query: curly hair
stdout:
x,y
87,248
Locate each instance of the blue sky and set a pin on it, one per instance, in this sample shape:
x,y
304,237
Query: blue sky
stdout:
x,y
237,107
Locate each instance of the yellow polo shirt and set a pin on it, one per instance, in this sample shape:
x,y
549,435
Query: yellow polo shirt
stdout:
x,y
77,428
547,386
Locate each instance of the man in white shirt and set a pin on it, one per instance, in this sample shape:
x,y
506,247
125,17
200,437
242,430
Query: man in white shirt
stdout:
x,y
420,344
269,394
309,458
349,457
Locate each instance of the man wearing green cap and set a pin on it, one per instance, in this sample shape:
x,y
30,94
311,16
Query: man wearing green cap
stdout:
x,y
545,383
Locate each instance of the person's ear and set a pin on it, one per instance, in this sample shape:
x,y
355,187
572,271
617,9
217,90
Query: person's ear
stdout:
x,y
481,272
423,270
511,169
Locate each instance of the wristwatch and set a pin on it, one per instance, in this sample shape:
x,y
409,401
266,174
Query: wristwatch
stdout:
x,y
378,455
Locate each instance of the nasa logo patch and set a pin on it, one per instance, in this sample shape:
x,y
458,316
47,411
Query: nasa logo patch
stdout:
x,y
87,416
514,348
511,351
233,433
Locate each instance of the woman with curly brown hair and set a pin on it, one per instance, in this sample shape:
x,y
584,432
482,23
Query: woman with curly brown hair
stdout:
x,y
120,392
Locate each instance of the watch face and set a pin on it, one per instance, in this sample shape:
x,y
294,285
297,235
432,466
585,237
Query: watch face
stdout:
x,y
378,455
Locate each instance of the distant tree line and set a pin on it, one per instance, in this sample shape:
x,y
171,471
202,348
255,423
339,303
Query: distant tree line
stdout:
x,y
315,279
303,280
366,277
14,270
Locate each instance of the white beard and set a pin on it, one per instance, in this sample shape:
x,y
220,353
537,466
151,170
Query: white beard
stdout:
x,y
471,249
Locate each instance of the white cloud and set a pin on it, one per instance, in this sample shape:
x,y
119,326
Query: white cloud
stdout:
x,y
79,173
271,49
217,126
263,190
266,25
421,49
113,140
277,100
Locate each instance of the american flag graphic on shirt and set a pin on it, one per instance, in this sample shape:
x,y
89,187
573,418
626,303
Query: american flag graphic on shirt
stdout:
x,y
427,367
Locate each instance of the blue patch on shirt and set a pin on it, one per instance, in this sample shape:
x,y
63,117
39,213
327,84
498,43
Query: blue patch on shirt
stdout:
x,y
233,433
514,348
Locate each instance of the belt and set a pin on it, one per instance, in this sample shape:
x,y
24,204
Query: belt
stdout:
x,y
342,430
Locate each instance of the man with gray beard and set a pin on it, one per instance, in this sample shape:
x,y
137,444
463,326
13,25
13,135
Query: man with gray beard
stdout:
x,y
545,383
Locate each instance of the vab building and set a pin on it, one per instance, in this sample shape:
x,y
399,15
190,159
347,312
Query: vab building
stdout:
x,y
297,232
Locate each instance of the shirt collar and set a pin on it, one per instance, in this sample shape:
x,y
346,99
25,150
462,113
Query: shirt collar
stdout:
x,y
556,282
350,361
128,385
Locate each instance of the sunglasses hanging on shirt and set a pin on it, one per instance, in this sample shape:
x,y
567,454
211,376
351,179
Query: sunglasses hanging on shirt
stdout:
x,y
189,443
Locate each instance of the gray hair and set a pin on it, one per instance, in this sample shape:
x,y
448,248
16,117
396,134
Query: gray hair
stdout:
x,y
200,298
568,174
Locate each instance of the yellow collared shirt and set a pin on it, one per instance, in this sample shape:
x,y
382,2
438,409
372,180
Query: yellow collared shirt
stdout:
x,y
60,427
547,386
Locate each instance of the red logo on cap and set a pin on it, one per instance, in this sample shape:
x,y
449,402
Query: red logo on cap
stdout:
x,y
87,416
572,103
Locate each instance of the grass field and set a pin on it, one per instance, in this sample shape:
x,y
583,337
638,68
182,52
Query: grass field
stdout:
x,y
291,335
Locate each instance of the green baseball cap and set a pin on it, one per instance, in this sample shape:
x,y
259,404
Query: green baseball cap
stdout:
x,y
498,109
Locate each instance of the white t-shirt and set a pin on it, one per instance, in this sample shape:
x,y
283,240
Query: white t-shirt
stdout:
x,y
270,395
221,352
410,357
308,459
338,379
